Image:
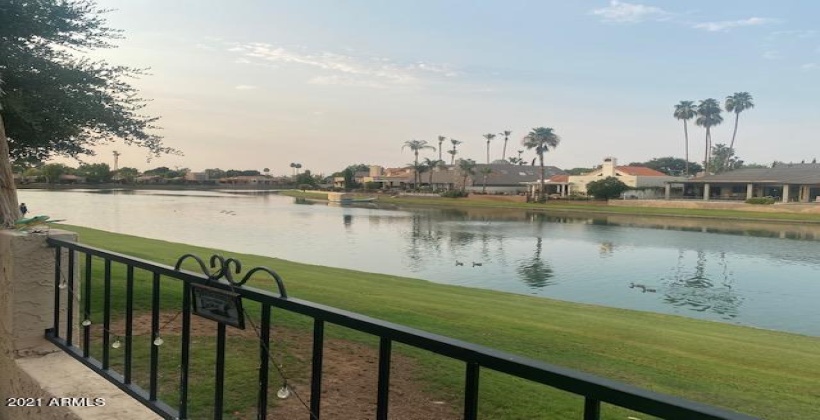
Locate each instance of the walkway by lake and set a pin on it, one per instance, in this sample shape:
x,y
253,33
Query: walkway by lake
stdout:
x,y
744,273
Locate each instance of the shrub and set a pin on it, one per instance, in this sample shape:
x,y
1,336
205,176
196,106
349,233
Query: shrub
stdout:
x,y
609,187
760,200
454,194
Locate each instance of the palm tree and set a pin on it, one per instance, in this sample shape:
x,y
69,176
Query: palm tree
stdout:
x,y
415,146
467,168
737,103
520,160
266,171
506,134
485,171
541,139
708,117
685,111
453,152
489,137
440,141
431,164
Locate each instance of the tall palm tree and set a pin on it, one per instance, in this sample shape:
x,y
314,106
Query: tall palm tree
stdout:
x,y
541,139
737,103
440,141
453,152
685,110
467,168
520,160
708,117
506,134
415,146
489,137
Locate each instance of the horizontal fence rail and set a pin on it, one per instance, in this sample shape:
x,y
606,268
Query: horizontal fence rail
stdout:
x,y
594,389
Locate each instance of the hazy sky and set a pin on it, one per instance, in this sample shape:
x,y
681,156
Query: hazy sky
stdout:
x,y
255,84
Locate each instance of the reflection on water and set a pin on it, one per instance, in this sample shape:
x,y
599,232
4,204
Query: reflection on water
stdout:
x,y
535,272
750,273
704,291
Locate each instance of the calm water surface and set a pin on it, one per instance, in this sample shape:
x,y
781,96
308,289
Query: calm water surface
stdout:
x,y
757,275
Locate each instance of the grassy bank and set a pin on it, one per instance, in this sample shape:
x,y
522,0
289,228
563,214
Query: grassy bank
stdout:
x,y
582,208
764,373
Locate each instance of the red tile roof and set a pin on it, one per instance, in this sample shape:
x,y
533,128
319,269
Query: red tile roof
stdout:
x,y
559,178
639,171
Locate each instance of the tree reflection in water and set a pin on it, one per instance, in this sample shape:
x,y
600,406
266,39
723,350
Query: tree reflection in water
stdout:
x,y
697,291
534,271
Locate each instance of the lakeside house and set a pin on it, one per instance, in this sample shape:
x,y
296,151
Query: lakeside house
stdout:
x,y
645,183
502,178
793,182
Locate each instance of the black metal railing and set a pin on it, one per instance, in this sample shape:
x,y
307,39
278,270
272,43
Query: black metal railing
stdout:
x,y
595,390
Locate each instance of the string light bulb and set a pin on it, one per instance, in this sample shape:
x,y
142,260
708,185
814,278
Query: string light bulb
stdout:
x,y
116,344
63,284
283,392
86,322
158,341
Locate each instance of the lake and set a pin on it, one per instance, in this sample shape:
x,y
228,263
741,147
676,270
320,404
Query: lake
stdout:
x,y
754,274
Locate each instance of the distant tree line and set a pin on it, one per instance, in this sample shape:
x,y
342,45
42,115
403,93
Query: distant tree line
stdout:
x,y
99,173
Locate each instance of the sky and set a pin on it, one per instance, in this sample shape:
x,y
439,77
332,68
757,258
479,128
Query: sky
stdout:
x,y
260,84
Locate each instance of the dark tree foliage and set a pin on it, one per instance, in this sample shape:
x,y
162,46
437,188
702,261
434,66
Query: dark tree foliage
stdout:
x,y
609,187
54,100
305,178
670,165
95,172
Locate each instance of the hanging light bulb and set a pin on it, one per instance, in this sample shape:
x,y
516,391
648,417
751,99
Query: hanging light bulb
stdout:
x,y
116,344
158,341
283,392
63,284
86,322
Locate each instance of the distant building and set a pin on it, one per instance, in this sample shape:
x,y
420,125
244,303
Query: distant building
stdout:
x,y
197,177
247,180
502,178
794,182
645,182
71,179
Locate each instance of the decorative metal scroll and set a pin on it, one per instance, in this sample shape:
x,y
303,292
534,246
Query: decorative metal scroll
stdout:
x,y
226,268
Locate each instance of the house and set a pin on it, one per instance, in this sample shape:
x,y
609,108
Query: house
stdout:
x,y
196,177
247,180
382,177
501,177
644,182
71,179
794,182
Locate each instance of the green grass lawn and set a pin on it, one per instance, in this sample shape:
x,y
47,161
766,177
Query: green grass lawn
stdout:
x,y
764,373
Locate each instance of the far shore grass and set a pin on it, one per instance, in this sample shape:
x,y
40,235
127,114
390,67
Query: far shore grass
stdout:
x,y
764,373
579,207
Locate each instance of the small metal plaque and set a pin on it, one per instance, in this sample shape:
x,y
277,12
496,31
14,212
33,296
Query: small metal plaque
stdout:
x,y
218,305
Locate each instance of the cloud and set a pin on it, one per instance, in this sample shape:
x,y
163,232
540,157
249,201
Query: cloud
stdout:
x,y
621,12
345,81
772,55
810,67
801,34
343,69
726,25
245,87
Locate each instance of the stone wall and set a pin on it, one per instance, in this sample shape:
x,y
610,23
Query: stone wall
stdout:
x,y
34,373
